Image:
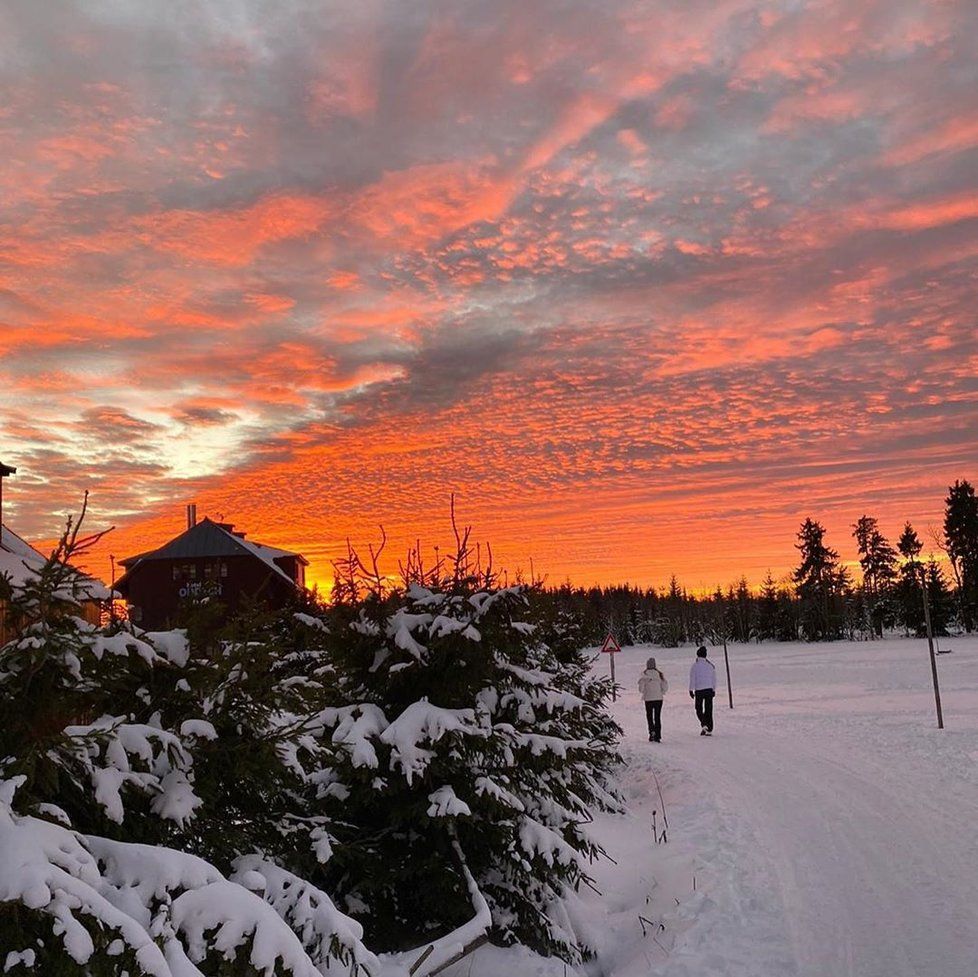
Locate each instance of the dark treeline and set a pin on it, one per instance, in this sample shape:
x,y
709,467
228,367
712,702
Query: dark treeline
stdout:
x,y
820,601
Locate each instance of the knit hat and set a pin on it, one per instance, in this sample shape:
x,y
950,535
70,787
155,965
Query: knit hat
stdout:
x,y
650,664
701,652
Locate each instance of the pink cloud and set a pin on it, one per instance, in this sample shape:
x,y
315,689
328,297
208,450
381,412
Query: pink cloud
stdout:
x,y
234,237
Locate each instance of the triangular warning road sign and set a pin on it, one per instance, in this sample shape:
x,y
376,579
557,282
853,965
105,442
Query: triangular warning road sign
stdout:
x,y
610,646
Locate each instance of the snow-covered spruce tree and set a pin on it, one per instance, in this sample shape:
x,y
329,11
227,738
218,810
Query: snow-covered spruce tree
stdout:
x,y
467,761
113,779
564,628
247,694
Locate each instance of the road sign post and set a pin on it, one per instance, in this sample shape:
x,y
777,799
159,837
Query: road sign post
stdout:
x,y
611,647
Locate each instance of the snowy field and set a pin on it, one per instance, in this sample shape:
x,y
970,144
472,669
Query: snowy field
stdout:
x,y
829,827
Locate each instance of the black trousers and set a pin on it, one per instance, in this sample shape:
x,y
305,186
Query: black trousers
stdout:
x,y
653,713
704,707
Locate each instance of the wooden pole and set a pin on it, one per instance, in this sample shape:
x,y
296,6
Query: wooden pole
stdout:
x,y
112,591
726,662
726,657
464,952
930,645
424,956
614,693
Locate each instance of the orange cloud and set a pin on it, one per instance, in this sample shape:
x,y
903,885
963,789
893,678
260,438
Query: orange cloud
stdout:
x,y
420,205
234,237
643,288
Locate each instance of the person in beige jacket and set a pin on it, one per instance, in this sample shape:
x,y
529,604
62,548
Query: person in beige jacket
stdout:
x,y
652,686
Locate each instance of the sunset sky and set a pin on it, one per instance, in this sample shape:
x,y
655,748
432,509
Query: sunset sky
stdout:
x,y
643,283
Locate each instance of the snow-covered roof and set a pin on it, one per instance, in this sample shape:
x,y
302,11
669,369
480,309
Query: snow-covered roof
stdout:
x,y
19,560
266,554
12,543
269,554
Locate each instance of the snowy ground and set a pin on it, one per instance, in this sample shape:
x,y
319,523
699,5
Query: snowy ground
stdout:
x,y
830,827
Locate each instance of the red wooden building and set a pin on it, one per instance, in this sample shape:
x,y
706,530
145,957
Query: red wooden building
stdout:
x,y
208,558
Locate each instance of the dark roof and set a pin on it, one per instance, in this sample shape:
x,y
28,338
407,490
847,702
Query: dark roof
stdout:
x,y
210,539
6,470
207,538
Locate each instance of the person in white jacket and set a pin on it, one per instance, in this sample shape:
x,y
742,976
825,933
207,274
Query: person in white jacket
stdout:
x,y
702,688
653,686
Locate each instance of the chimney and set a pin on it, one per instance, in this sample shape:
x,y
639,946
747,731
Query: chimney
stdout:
x,y
191,515
5,470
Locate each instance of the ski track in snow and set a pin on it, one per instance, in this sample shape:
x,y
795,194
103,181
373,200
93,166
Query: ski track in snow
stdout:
x,y
831,828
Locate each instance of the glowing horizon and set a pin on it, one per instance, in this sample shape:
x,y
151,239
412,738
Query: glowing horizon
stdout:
x,y
644,284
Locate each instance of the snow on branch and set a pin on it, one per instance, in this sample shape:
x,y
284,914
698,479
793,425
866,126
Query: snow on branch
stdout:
x,y
115,754
324,931
355,726
543,842
170,910
423,723
45,867
445,803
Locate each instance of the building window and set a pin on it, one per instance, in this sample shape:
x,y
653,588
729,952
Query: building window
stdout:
x,y
224,569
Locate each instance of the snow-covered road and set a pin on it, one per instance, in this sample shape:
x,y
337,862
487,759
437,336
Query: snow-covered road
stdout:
x,y
829,828
832,827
